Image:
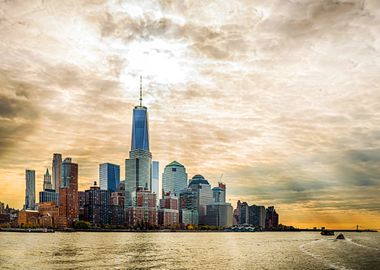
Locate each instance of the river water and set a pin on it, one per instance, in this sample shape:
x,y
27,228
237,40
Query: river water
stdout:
x,y
263,250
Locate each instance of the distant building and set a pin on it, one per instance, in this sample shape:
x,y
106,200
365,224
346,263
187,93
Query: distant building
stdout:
x,y
272,218
27,217
48,195
47,181
174,178
188,206
219,214
68,195
117,208
82,202
200,185
97,208
109,176
2,208
143,212
30,190
57,171
219,193
168,214
48,214
156,179
244,213
236,213
257,216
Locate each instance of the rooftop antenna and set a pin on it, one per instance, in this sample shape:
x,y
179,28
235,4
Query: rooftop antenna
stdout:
x,y
140,91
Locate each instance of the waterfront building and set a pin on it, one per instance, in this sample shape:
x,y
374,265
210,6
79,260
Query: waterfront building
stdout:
x,y
97,208
81,202
68,194
272,218
244,213
30,190
48,214
48,195
168,214
27,217
257,216
236,214
143,212
47,181
109,176
188,206
174,178
156,179
117,208
219,193
2,209
204,193
219,214
57,171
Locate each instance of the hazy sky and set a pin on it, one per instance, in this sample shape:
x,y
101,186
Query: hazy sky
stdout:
x,y
281,97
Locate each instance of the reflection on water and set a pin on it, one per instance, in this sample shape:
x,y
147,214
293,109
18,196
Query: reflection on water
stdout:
x,y
267,250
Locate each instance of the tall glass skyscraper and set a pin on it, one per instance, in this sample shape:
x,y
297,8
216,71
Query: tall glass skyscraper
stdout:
x,y
109,176
138,168
156,178
57,171
30,189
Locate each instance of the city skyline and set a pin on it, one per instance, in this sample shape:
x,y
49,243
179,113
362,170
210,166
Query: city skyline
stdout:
x,y
303,138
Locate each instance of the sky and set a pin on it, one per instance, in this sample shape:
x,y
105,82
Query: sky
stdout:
x,y
279,99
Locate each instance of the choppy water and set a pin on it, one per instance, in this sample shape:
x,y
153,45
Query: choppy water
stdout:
x,y
267,250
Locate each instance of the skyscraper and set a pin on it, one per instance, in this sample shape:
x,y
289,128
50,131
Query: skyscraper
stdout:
x,y
30,190
156,179
174,178
57,171
47,180
200,185
109,176
97,208
68,194
138,166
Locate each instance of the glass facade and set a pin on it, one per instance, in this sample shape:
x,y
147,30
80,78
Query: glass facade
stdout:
x,y
174,178
140,129
30,191
109,176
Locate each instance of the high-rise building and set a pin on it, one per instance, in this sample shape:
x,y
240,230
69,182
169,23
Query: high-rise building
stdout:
x,y
109,176
204,193
219,214
68,194
47,181
244,213
97,208
257,216
188,205
156,179
48,195
138,167
271,218
168,214
117,208
57,171
143,213
30,190
219,193
174,178
81,202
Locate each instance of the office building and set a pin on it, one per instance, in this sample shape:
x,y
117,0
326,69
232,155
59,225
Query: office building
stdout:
x,y
48,195
204,193
117,208
68,195
219,214
257,216
174,178
244,213
47,181
188,206
97,207
219,193
30,190
57,171
156,179
109,176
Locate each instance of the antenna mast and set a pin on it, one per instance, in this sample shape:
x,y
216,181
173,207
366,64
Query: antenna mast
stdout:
x,y
140,91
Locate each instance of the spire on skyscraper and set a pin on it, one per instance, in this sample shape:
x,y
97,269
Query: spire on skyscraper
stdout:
x,y
140,91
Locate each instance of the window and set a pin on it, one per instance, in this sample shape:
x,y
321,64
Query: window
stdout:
x,y
174,169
